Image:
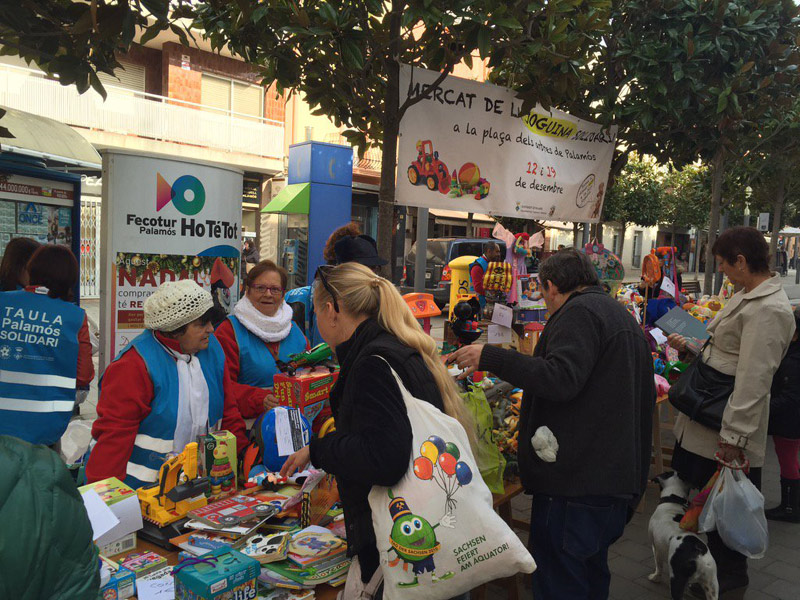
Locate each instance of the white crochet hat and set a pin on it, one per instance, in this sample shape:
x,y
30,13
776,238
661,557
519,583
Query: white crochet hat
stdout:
x,y
176,304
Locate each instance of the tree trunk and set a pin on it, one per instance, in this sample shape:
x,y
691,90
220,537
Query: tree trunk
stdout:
x,y
623,228
576,230
391,129
470,231
598,232
777,216
713,222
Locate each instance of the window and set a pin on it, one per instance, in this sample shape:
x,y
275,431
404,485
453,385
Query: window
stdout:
x,y
637,248
130,77
228,95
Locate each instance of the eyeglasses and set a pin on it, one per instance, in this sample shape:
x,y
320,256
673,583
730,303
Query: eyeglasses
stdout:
x,y
321,276
266,289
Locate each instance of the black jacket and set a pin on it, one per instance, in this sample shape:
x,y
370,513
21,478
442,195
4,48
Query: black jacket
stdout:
x,y
372,441
591,382
784,402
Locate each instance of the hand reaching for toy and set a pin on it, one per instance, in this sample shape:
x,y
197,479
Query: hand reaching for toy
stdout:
x,y
270,401
677,341
296,462
466,357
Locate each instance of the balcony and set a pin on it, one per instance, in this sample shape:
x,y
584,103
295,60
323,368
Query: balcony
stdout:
x,y
147,116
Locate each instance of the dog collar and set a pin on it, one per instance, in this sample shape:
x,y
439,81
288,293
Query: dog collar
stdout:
x,y
674,499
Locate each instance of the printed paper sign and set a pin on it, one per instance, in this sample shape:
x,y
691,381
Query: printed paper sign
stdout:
x,y
499,334
503,315
468,146
668,287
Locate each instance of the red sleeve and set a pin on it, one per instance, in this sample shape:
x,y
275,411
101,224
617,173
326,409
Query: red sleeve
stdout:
x,y
125,398
231,417
248,398
85,364
476,274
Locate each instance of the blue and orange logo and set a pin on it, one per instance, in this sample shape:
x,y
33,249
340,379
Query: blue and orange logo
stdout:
x,y
187,194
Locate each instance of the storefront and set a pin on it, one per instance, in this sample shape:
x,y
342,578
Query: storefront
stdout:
x,y
38,199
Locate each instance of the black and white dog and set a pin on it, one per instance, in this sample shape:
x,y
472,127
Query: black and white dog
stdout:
x,y
681,554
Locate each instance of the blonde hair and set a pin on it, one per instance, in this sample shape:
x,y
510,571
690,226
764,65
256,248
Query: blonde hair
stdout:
x,y
360,292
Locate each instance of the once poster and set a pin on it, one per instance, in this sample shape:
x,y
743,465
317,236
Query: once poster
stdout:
x,y
468,146
165,220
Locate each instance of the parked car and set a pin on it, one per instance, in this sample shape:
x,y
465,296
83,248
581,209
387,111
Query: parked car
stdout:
x,y
437,274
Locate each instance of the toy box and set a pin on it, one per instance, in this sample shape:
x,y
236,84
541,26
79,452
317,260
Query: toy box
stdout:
x,y
223,574
124,503
123,544
142,563
217,461
307,390
122,584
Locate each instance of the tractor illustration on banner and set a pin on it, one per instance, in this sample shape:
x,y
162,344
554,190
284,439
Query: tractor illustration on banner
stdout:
x,y
433,172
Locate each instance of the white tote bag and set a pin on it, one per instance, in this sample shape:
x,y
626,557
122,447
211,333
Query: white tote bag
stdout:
x,y
437,531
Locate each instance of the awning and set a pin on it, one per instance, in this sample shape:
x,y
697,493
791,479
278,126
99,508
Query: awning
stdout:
x,y
47,139
293,199
788,231
457,217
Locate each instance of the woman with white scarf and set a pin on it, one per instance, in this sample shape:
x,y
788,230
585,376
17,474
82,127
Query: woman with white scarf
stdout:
x,y
258,334
167,387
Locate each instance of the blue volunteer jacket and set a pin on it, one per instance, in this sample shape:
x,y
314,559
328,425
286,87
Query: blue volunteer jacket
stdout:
x,y
257,366
38,365
156,434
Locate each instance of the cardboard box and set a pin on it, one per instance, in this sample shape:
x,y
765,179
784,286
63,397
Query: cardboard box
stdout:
x,y
217,461
308,390
232,575
122,584
123,544
142,563
124,503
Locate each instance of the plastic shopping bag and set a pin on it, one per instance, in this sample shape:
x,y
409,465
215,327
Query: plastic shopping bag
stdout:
x,y
735,508
436,529
491,462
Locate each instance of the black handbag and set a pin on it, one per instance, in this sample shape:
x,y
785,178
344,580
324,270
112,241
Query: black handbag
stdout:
x,y
701,393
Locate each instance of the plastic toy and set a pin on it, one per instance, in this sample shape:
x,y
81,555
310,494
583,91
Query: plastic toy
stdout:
x,y
436,176
177,491
221,473
320,354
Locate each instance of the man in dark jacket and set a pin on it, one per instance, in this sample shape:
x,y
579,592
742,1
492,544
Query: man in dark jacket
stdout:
x,y
590,381
46,548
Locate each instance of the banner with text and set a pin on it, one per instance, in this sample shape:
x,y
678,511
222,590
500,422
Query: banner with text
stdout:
x,y
165,220
468,146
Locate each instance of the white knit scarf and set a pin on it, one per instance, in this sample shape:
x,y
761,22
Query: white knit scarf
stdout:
x,y
268,329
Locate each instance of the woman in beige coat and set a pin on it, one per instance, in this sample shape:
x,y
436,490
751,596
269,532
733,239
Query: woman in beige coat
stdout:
x,y
748,339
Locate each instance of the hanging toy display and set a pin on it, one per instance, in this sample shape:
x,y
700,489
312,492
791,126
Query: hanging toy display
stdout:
x,y
606,264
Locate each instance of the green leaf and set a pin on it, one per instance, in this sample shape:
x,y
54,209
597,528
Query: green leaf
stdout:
x,y
327,12
507,21
351,54
97,85
722,101
484,42
259,13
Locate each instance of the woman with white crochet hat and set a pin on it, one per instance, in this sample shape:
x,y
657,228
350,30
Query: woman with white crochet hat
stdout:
x,y
258,334
169,385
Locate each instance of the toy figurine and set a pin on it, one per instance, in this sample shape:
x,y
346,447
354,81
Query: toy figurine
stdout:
x,y
221,474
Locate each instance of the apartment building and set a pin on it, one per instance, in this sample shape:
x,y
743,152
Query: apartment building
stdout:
x,y
189,103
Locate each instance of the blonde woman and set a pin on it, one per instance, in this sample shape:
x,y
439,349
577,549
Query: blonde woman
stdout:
x,y
367,323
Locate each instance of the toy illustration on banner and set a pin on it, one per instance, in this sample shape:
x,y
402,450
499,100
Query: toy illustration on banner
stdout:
x,y
221,472
439,462
414,541
433,172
